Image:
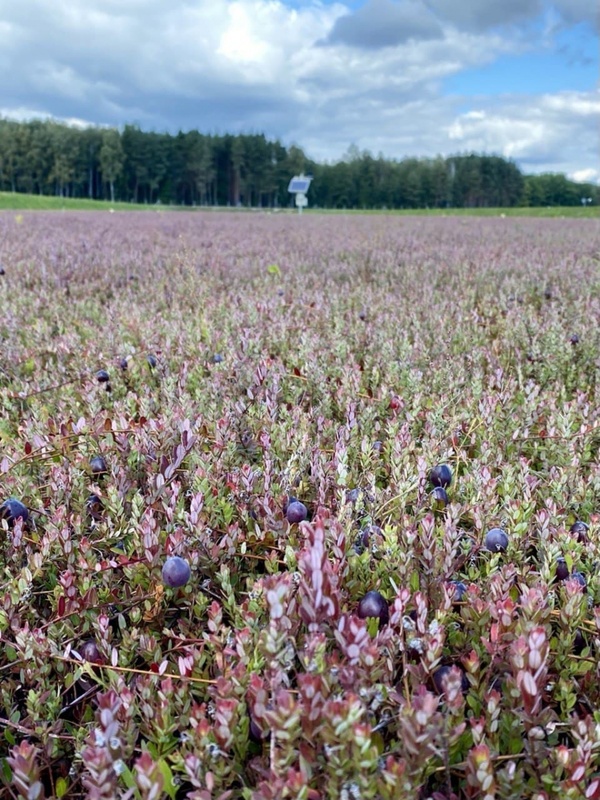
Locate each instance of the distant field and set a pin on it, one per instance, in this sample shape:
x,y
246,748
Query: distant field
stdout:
x,y
34,202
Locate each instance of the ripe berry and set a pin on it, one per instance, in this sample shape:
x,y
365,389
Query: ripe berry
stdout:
x,y
88,650
366,535
94,507
2,271
296,512
562,570
577,576
255,732
352,495
13,509
439,498
217,358
151,359
459,590
123,364
440,678
580,529
98,465
579,642
176,572
102,376
496,540
441,475
574,339
374,604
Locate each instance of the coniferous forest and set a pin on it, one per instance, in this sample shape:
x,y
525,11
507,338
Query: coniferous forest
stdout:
x,y
191,168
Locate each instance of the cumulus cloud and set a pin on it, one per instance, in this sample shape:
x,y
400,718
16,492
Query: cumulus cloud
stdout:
x,y
552,132
572,12
156,62
385,23
319,74
481,15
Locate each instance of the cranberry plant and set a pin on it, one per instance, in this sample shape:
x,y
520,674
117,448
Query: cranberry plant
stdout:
x,y
299,507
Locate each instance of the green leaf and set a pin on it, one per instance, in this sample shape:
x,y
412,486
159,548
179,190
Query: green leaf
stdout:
x,y
129,781
6,771
61,787
273,269
167,774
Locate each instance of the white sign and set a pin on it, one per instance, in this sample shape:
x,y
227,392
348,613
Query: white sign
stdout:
x,y
298,186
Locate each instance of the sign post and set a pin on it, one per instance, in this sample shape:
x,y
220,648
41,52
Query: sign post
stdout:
x,y
298,186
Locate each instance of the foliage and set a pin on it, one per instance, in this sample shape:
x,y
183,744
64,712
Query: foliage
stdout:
x,y
379,348
45,157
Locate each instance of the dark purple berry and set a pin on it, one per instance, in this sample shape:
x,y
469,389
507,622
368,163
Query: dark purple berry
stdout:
x,y
2,271
365,537
496,541
579,642
102,376
459,591
123,364
378,446
371,532
374,604
580,529
88,650
439,498
441,475
352,495
217,358
577,576
256,734
176,572
98,465
440,678
296,512
151,359
562,570
574,339
94,507
12,509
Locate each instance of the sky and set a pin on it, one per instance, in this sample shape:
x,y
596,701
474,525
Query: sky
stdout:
x,y
517,78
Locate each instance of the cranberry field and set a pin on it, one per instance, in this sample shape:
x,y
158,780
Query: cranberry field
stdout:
x,y
299,507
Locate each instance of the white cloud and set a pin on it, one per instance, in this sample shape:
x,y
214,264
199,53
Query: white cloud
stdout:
x,y
552,131
227,65
590,175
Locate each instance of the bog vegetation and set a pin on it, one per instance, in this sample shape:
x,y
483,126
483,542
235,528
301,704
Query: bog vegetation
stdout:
x,y
299,507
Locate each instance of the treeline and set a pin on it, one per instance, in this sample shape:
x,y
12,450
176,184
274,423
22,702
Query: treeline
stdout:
x,y
191,168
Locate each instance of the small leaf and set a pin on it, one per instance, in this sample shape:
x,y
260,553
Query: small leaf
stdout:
x,y
273,269
169,786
